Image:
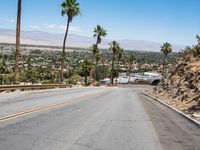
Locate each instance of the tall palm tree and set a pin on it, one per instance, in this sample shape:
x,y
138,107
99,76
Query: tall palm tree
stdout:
x,y
198,38
97,58
94,50
99,32
120,55
70,8
114,46
17,54
197,47
131,61
166,48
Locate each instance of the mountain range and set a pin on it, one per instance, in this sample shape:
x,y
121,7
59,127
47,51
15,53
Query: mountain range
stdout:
x,y
53,39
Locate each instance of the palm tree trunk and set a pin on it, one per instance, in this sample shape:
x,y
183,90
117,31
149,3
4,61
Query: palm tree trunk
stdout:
x,y
129,79
97,42
112,70
96,78
1,78
85,76
90,76
93,57
63,52
117,72
163,73
96,71
16,76
94,60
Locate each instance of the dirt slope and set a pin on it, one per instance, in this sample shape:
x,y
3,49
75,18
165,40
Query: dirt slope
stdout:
x,y
181,87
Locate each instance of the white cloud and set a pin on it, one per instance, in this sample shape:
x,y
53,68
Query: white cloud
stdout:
x,y
71,29
33,27
12,21
74,29
51,26
62,27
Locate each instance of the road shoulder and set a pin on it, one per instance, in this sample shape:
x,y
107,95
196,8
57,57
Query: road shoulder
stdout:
x,y
192,120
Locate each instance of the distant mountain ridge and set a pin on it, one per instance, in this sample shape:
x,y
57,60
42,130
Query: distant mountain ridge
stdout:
x,y
53,39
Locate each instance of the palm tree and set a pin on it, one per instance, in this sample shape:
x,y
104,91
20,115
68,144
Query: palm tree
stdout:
x,y
97,58
125,61
197,47
70,8
198,38
95,50
17,54
165,49
99,32
114,46
131,61
120,55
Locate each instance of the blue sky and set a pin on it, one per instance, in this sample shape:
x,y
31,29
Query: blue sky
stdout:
x,y
175,21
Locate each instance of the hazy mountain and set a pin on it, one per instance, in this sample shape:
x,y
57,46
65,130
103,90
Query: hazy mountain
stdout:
x,y
45,38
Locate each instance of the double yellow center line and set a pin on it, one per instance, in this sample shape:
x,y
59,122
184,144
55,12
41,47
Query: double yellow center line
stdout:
x,y
48,107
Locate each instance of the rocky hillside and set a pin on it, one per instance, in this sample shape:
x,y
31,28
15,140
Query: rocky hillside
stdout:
x,y
181,86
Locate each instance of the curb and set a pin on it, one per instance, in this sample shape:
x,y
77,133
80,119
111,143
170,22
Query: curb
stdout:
x,y
175,110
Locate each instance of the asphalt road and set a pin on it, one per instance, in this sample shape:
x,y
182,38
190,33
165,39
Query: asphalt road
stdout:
x,y
103,119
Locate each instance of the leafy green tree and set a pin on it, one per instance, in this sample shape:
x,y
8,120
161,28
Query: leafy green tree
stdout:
x,y
3,70
114,46
17,54
103,71
165,49
34,75
87,67
28,62
29,71
70,8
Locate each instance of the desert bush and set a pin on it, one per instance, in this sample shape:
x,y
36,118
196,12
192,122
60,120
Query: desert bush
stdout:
x,y
74,79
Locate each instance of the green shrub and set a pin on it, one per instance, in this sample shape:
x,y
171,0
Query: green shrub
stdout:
x,y
74,79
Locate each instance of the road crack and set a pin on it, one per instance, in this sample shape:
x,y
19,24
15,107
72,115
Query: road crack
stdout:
x,y
87,146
